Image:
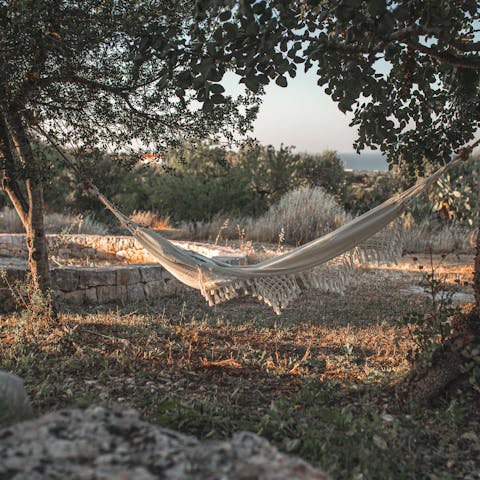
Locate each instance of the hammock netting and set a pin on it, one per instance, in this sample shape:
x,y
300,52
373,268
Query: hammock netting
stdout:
x,y
327,263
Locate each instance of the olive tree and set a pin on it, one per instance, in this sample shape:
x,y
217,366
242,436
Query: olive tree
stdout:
x,y
89,75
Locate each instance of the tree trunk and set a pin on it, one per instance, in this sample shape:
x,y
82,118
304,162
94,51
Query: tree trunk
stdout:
x,y
476,274
17,145
36,238
424,384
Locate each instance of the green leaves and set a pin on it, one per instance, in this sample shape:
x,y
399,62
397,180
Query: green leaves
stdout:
x,y
217,88
281,81
376,7
225,15
231,31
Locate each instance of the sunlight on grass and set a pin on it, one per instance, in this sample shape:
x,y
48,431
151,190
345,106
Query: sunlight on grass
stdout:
x,y
316,381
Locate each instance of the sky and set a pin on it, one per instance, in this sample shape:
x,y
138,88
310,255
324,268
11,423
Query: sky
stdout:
x,y
302,115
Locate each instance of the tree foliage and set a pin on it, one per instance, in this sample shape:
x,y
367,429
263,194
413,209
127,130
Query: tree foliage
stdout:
x,y
195,181
408,70
86,71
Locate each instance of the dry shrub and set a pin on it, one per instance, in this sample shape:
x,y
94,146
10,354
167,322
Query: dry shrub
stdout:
x,y
218,228
54,223
438,237
150,219
64,223
300,216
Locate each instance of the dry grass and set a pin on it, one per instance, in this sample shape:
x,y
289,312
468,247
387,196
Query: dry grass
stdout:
x,y
316,381
54,223
429,234
151,220
300,216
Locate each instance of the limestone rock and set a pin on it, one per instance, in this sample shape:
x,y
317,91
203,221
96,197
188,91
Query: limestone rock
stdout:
x,y
135,293
14,403
102,444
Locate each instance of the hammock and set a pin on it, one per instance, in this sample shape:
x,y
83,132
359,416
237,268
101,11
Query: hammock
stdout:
x,y
326,263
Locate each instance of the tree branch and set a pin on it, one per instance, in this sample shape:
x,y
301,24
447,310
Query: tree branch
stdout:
x,y
472,63
8,181
464,47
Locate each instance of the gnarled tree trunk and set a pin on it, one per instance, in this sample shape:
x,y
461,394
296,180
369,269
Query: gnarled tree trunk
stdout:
x,y
36,238
19,161
476,274
424,383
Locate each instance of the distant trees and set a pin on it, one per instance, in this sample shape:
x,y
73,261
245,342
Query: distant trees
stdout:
x,y
199,180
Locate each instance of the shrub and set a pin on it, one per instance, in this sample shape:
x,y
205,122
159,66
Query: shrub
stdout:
x,y
67,223
365,191
456,194
430,234
300,216
324,170
150,220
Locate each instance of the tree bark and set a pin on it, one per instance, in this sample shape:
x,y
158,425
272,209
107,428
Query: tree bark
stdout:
x,y
36,238
476,274
9,175
32,217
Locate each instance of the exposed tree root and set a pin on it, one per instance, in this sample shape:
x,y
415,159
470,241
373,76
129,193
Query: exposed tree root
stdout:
x,y
426,381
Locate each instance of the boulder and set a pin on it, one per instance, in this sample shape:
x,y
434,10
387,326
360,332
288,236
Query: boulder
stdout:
x,y
99,443
14,403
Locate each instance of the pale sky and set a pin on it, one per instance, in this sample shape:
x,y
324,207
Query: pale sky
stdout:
x,y
302,115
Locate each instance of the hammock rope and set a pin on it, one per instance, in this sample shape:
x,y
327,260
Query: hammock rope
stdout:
x,y
327,263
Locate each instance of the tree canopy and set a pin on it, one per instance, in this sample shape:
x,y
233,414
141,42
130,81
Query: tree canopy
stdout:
x,y
408,70
86,74
84,69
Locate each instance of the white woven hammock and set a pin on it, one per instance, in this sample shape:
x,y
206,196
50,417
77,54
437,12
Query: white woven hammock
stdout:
x,y
326,263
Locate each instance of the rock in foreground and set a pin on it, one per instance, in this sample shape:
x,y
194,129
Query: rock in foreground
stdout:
x,y
14,403
102,444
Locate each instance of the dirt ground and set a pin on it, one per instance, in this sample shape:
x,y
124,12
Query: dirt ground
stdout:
x,y
318,380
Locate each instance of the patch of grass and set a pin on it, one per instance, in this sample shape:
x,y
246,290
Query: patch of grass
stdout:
x,y
54,223
316,381
151,220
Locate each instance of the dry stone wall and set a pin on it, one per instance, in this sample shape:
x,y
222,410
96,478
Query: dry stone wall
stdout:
x,y
120,284
89,285
107,247
125,283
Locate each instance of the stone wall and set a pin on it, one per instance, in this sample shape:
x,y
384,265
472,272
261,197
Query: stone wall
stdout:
x,y
91,285
119,284
125,283
107,247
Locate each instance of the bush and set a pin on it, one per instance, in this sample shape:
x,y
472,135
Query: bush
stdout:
x,y
150,220
300,216
455,197
364,191
324,170
432,235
